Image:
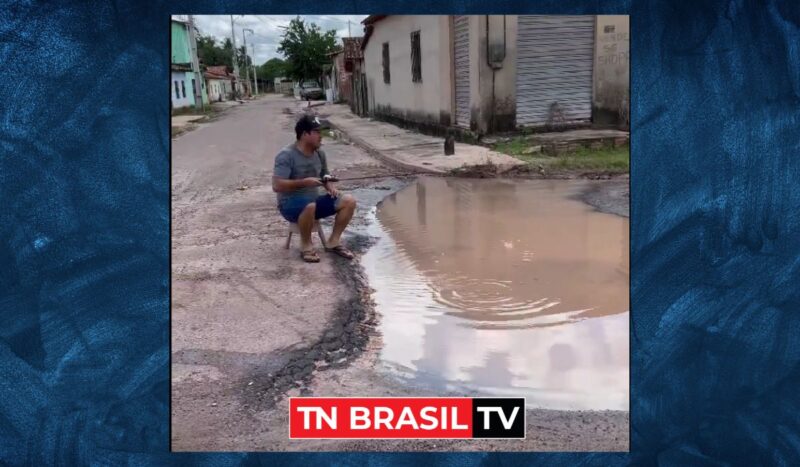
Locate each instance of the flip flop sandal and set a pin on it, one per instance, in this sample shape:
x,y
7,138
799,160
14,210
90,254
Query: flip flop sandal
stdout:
x,y
341,251
309,256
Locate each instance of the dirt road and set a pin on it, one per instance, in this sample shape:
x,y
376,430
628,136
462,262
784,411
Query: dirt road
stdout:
x,y
251,323
242,306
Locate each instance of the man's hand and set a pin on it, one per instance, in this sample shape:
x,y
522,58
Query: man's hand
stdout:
x,y
331,189
312,181
283,185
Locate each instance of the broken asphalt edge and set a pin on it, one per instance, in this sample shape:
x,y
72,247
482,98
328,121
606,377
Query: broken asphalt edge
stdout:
x,y
345,338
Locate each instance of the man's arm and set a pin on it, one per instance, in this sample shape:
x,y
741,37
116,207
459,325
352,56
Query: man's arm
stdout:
x,y
323,159
284,185
330,187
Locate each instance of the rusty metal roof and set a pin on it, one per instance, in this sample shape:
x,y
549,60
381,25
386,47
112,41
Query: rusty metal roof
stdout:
x,y
352,48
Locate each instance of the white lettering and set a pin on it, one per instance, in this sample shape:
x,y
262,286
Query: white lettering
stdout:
x,y
305,411
379,420
355,418
454,423
485,411
433,421
406,418
505,421
319,416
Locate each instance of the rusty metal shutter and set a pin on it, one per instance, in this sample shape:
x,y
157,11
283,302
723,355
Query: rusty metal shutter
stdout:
x,y
461,68
554,69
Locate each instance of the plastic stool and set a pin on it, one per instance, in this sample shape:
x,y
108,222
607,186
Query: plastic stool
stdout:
x,y
294,229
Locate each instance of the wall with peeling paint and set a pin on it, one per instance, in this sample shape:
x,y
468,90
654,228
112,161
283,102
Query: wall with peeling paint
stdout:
x,y
611,96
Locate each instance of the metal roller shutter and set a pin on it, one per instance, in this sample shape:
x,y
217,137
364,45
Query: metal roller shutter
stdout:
x,y
461,67
554,65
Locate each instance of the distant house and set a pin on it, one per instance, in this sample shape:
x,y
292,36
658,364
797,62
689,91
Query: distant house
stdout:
x,y
183,79
345,60
330,75
283,85
219,83
328,81
490,73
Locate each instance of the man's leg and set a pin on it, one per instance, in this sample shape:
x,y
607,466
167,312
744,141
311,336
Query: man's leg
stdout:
x,y
306,223
344,212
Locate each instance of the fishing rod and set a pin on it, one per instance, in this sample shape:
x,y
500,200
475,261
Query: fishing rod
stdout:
x,y
331,178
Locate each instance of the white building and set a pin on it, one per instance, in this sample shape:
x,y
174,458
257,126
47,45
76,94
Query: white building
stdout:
x,y
181,97
492,73
219,83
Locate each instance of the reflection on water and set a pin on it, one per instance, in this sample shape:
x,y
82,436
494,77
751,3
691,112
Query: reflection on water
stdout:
x,y
504,288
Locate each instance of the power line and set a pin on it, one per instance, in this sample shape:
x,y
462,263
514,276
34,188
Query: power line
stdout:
x,y
261,19
306,17
272,20
330,18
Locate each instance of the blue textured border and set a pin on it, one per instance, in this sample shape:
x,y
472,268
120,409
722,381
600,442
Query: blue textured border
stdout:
x,y
84,233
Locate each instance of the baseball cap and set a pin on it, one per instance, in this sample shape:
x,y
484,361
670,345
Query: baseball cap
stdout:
x,y
306,123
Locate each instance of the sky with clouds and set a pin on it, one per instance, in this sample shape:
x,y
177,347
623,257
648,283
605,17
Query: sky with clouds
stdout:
x,y
267,32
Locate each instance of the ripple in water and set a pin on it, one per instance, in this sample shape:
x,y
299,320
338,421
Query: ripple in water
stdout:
x,y
504,288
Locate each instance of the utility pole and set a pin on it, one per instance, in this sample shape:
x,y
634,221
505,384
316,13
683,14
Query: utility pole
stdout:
x,y
198,87
235,63
255,70
246,68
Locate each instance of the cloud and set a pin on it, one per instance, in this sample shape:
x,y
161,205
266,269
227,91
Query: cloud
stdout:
x,y
267,32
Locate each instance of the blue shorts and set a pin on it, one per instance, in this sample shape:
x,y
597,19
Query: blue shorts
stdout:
x,y
292,208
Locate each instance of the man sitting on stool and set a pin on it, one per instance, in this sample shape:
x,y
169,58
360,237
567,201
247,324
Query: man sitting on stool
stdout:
x,y
297,179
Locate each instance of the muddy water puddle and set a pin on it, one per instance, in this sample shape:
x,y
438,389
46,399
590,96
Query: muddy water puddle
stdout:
x,y
505,288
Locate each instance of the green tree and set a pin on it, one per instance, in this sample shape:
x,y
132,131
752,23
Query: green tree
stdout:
x,y
211,54
306,48
227,50
243,59
272,68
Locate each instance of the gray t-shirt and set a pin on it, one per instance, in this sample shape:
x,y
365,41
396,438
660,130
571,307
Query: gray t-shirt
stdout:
x,y
292,164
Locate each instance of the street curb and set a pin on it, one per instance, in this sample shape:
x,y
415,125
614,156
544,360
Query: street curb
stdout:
x,y
376,153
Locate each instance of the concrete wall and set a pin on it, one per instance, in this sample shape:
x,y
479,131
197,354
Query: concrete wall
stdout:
x,y
218,89
611,96
180,43
181,53
214,91
344,79
200,82
181,100
185,77
493,88
426,102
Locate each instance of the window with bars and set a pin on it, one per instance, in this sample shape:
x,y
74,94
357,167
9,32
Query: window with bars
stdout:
x,y
386,75
177,90
416,58
183,88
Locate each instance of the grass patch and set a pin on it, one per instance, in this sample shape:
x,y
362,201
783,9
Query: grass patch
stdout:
x,y
606,159
515,147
